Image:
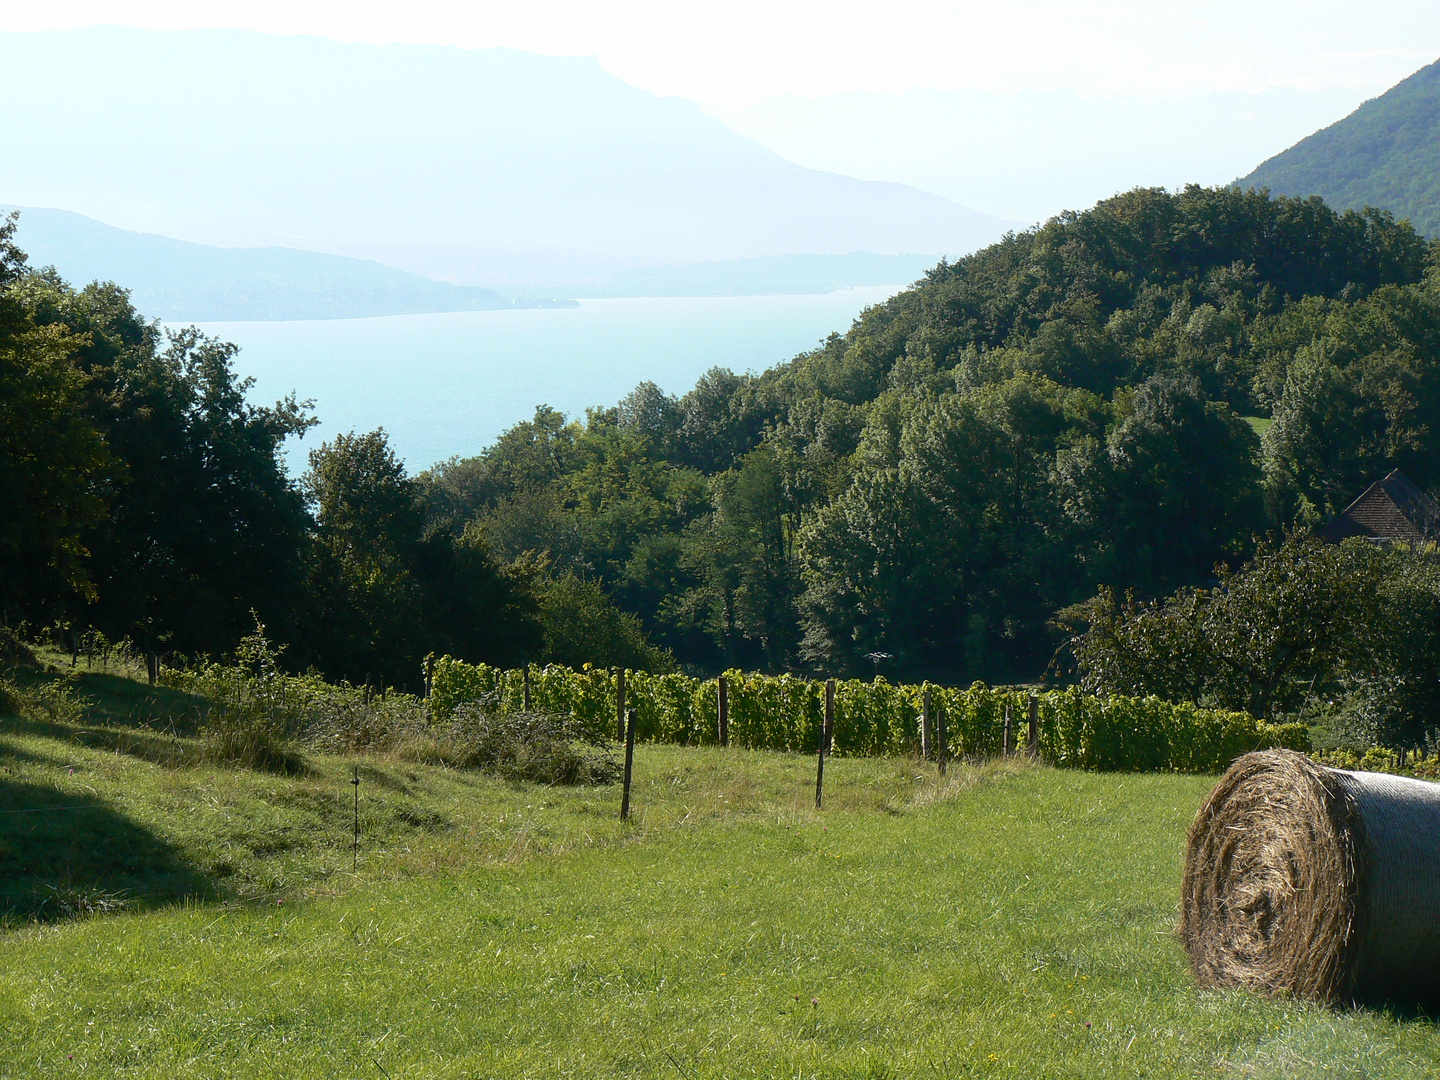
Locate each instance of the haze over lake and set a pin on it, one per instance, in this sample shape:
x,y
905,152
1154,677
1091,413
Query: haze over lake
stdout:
x,y
449,383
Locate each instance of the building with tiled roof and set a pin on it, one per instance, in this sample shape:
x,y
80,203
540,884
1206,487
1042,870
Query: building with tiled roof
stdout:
x,y
1389,511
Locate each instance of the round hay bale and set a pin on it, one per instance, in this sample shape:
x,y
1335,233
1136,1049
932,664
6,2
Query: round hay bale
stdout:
x,y
1316,882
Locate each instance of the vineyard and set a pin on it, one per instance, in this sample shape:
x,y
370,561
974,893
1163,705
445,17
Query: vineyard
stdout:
x,y
764,712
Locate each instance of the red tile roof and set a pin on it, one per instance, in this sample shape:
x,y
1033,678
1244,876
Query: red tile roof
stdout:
x,y
1390,510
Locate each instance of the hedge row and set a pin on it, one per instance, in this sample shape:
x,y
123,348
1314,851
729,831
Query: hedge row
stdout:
x,y
786,713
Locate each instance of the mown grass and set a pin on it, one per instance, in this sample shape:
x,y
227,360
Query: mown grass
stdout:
x,y
1017,921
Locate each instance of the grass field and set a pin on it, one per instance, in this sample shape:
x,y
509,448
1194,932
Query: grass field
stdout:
x,y
1017,921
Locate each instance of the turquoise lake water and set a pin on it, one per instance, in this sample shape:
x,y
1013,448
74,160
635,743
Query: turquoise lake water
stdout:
x,y
449,384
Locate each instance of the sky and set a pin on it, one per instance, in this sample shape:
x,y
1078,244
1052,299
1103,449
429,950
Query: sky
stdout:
x,y
1016,108
736,54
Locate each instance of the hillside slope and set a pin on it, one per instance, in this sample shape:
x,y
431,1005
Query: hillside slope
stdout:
x,y
1385,154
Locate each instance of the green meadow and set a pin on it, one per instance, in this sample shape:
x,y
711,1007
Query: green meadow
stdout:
x,y
177,919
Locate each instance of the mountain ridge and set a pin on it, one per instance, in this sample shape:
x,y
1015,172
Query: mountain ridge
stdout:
x,y
1385,154
181,281
241,139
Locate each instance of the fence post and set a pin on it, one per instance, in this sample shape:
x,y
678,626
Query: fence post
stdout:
x,y
723,706
355,849
1032,738
942,749
526,685
629,766
825,733
620,704
1005,743
925,715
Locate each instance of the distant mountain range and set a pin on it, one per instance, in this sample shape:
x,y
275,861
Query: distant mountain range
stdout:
x,y
184,282
1386,154
179,281
535,171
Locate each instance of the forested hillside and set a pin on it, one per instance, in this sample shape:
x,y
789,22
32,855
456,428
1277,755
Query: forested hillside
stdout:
x,y
1386,154
1077,406
1072,407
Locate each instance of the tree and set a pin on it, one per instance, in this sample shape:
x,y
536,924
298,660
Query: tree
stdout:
x,y
1186,483
388,587
583,626
743,555
1288,628
54,471
54,466
205,527
190,522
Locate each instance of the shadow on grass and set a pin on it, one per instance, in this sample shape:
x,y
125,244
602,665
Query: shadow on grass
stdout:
x,y
157,724
154,747
117,701
64,855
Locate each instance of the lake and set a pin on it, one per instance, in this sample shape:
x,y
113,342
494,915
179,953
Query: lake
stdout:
x,y
448,384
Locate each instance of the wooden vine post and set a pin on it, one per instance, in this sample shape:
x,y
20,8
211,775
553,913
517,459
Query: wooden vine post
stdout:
x,y
925,728
942,748
355,848
1032,737
620,704
525,686
826,732
722,696
1006,740
629,766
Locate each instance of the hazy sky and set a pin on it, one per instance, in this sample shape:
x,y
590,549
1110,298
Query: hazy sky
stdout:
x,y
733,54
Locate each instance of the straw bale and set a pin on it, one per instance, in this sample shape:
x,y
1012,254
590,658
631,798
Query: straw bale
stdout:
x,y
1316,882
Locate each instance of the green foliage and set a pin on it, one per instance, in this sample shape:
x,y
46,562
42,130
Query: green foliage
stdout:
x,y
54,463
252,714
1349,634
388,588
1076,730
53,702
197,523
581,623
1071,409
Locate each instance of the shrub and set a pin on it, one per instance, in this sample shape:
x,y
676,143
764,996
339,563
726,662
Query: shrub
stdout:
x,y
340,721
254,713
55,702
543,748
